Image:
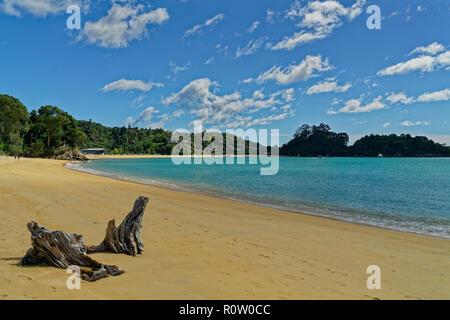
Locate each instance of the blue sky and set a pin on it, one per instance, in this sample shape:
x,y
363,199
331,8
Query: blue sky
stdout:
x,y
234,64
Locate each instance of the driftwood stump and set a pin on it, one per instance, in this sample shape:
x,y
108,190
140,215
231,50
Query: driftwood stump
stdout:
x,y
61,249
124,238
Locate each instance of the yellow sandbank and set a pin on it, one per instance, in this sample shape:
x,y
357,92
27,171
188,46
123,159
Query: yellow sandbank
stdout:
x,y
200,247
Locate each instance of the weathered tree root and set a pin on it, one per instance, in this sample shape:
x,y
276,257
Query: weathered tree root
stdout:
x,y
124,238
61,249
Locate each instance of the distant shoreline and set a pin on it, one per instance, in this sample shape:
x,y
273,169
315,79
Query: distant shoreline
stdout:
x,y
149,156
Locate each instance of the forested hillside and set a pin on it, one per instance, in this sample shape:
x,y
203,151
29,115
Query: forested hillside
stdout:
x,y
122,140
49,132
313,141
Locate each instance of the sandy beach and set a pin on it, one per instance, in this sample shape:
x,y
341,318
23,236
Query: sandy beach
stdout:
x,y
201,247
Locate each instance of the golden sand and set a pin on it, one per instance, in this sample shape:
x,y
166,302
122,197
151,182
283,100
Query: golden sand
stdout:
x,y
200,247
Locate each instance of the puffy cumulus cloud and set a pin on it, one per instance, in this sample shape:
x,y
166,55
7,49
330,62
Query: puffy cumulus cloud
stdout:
x,y
429,61
122,24
442,95
208,23
143,118
400,97
230,110
408,123
328,86
386,124
40,8
432,49
443,59
250,48
125,85
294,73
354,106
318,20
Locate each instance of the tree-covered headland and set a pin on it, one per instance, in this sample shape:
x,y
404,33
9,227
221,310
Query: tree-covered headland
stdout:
x,y
313,141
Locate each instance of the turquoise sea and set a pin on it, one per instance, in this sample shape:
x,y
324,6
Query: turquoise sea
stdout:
x,y
409,194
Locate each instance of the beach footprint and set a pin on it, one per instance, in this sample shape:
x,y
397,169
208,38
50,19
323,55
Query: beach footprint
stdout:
x,y
24,276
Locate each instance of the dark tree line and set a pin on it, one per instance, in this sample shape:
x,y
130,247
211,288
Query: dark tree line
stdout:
x,y
122,140
42,133
398,146
313,141
49,131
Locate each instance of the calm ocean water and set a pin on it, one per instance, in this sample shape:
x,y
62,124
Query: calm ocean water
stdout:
x,y
409,194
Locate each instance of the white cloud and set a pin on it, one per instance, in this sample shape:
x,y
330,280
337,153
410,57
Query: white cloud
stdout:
x,y
432,49
289,43
125,85
294,73
271,15
178,113
354,106
143,118
328,86
408,123
288,95
228,110
386,124
209,61
258,94
176,69
318,20
423,63
250,48
248,80
39,8
442,95
286,107
165,118
269,119
208,23
121,25
400,97
151,117
254,26
444,59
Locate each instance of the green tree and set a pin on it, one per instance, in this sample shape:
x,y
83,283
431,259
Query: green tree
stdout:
x,y
55,128
312,141
15,143
37,149
13,124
